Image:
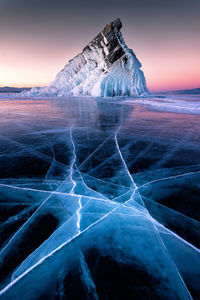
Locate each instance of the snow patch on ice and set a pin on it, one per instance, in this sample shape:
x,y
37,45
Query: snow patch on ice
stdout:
x,y
169,105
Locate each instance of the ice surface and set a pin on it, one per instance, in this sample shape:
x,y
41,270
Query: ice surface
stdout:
x,y
99,199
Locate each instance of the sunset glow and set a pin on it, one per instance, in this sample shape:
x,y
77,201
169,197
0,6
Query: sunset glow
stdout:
x,y
33,51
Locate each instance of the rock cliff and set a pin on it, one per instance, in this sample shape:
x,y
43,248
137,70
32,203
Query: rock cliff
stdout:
x,y
105,67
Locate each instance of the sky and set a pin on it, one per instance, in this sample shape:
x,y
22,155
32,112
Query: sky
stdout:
x,y
38,37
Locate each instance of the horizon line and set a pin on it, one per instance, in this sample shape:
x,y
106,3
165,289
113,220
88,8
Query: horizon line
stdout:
x,y
153,90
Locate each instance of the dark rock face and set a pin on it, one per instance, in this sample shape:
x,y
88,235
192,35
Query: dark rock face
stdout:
x,y
108,41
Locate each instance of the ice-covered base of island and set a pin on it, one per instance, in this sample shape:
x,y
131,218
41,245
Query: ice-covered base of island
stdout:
x,y
88,74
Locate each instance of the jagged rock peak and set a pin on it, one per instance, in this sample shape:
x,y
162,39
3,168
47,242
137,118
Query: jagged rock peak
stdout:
x,y
105,67
108,41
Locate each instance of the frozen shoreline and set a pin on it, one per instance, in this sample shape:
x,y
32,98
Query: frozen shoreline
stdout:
x,y
186,104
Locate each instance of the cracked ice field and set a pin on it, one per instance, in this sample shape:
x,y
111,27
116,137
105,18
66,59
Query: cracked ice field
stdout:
x,y
100,198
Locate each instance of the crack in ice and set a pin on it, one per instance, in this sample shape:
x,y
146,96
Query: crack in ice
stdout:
x,y
73,162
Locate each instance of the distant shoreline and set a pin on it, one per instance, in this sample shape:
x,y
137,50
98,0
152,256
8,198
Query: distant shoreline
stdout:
x,y
8,89
195,91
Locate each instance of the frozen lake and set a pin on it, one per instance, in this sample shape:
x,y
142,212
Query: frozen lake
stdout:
x,y
100,198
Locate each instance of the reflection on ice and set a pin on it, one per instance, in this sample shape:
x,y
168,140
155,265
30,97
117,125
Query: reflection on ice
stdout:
x,y
98,199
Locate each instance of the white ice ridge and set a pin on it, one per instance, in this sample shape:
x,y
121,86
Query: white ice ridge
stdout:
x,y
172,104
105,67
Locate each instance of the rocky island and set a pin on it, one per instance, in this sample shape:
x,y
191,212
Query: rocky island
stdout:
x,y
106,67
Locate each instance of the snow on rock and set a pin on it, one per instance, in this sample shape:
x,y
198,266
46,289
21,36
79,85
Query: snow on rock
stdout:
x,y
105,67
